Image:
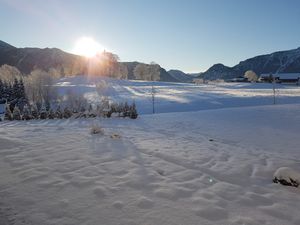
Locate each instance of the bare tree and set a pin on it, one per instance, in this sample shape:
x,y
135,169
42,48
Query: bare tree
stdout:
x,y
272,78
154,70
39,87
140,72
9,73
107,64
55,72
121,71
251,76
75,101
149,72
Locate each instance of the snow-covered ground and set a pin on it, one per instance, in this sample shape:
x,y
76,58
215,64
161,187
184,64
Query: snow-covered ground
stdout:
x,y
203,167
182,97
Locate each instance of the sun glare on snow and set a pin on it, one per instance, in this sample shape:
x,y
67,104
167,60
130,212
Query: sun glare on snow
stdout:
x,y
87,46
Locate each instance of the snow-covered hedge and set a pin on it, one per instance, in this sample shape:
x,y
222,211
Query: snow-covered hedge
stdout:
x,y
105,109
287,176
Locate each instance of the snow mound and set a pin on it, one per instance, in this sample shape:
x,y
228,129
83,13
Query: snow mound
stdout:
x,y
287,176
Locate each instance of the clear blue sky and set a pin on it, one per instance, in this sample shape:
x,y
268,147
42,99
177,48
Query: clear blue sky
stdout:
x,y
190,35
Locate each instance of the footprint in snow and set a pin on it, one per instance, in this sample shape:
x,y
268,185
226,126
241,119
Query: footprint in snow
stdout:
x,y
212,213
145,203
118,204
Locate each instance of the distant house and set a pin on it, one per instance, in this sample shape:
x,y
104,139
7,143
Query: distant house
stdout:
x,y
198,81
2,109
281,78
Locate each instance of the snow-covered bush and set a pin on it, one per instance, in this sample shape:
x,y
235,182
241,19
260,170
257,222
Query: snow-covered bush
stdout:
x,y
115,136
96,129
287,176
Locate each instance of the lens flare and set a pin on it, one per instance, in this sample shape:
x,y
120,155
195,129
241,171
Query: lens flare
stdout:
x,y
87,47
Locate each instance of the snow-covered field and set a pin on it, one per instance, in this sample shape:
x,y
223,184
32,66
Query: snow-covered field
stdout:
x,y
185,167
182,97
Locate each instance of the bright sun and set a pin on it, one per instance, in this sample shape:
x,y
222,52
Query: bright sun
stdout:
x,y
88,47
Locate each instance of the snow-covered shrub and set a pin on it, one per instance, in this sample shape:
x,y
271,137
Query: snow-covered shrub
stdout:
x,y
96,129
115,136
287,176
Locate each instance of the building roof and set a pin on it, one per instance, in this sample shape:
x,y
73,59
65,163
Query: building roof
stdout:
x,y
282,76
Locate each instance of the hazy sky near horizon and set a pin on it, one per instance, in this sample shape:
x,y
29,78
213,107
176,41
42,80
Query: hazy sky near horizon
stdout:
x,y
190,35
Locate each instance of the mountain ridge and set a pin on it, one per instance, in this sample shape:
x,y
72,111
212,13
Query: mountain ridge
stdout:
x,y
30,58
287,61
181,76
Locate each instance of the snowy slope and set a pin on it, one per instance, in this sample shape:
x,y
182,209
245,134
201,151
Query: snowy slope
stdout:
x,y
180,166
210,167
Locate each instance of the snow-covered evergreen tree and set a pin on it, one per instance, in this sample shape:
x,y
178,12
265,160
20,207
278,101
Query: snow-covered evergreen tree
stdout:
x,y
8,114
17,113
90,108
133,112
1,89
34,111
51,114
91,112
47,106
58,113
15,89
67,113
126,107
43,112
83,113
26,113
